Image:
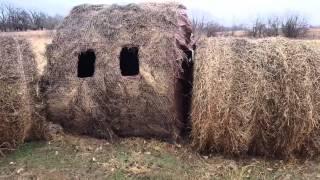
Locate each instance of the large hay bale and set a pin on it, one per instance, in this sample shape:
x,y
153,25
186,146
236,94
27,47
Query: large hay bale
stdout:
x,y
18,82
256,96
108,104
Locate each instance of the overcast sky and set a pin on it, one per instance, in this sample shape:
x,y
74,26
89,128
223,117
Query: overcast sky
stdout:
x,y
227,12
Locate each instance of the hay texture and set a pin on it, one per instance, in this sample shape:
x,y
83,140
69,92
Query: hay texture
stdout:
x,y
18,81
256,96
108,104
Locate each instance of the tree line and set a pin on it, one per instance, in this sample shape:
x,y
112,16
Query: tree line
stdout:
x,y
293,26
18,19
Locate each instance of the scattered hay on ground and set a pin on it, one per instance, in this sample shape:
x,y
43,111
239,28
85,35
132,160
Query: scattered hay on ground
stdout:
x,y
256,96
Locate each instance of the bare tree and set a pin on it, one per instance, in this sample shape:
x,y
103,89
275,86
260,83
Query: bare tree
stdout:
x,y
273,26
209,29
22,20
236,28
294,26
53,21
38,19
212,29
3,17
16,19
198,26
258,29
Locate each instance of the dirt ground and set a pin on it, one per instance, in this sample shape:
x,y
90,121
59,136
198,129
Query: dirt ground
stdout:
x,y
77,157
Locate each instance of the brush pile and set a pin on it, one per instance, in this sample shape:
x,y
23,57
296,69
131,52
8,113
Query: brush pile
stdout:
x,y
259,97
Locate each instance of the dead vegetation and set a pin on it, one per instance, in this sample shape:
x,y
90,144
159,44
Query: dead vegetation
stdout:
x,y
74,157
258,97
17,19
19,120
251,97
107,103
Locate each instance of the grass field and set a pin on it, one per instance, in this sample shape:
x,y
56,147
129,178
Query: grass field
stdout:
x,y
76,157
312,34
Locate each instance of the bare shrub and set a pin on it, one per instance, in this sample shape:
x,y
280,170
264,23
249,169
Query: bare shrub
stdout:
x,y
295,26
212,29
292,27
209,29
258,29
268,28
198,26
273,26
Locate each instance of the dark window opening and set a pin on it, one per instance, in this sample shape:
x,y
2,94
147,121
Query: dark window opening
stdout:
x,y
86,64
129,61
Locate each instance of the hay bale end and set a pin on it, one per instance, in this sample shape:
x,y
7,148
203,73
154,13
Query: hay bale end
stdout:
x,y
256,97
18,83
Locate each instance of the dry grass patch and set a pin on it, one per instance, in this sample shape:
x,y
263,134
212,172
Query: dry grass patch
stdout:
x,y
74,157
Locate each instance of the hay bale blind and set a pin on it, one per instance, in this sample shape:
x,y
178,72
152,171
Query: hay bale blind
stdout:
x,y
256,96
117,70
18,82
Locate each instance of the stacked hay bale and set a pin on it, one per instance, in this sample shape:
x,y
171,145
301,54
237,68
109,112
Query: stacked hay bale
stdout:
x,y
256,96
18,82
108,104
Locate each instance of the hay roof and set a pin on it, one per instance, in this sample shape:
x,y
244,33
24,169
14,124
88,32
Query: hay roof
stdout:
x,y
131,23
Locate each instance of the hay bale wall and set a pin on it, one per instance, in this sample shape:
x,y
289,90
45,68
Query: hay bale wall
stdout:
x,y
108,104
18,82
256,96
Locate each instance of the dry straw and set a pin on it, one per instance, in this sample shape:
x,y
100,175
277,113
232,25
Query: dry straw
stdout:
x,y
19,120
256,96
108,105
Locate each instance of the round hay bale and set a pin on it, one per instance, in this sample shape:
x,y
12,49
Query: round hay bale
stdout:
x,y
110,102
18,82
256,96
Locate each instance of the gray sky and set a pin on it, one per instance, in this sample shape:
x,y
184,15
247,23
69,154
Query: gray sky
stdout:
x,y
227,12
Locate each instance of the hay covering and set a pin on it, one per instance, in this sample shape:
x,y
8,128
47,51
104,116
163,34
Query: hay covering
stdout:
x,y
18,81
256,96
108,105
